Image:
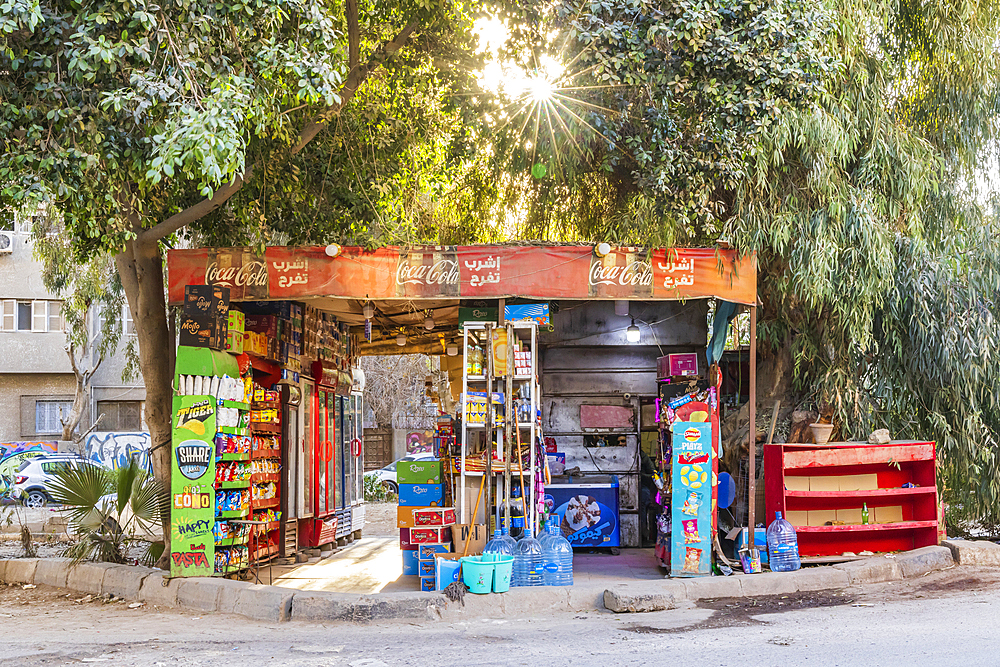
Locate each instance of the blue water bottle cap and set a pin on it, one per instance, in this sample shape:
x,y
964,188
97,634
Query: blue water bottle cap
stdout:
x,y
777,515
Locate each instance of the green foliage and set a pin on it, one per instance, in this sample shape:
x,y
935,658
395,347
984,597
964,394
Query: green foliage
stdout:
x,y
375,492
112,512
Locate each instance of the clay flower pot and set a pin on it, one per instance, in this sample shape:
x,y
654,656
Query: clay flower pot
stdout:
x,y
821,433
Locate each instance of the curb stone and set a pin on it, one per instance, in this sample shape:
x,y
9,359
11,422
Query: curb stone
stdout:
x,y
276,604
974,552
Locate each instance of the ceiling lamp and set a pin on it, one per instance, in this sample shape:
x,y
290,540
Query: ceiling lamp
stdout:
x,y
333,250
429,322
621,308
602,248
401,339
632,333
369,310
452,350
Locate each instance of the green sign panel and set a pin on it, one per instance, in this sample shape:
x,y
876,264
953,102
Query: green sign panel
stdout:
x,y
192,496
477,315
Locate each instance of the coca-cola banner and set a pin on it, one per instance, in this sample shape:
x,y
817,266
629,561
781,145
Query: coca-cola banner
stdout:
x,y
436,272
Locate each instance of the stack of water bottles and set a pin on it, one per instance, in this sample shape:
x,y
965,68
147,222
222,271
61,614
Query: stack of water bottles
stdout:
x,y
547,561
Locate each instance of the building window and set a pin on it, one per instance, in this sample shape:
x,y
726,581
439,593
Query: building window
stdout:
x,y
35,316
120,415
129,325
48,416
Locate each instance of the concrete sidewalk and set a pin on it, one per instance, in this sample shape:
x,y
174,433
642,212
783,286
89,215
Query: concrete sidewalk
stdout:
x,y
275,603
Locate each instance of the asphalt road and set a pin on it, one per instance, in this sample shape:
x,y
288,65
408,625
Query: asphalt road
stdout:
x,y
947,618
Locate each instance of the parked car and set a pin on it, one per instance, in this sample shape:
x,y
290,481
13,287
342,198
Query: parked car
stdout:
x,y
387,475
32,479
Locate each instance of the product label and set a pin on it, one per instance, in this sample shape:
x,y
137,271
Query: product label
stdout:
x,y
192,496
692,507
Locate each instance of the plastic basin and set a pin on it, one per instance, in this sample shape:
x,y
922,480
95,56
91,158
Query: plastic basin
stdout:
x,y
503,568
477,575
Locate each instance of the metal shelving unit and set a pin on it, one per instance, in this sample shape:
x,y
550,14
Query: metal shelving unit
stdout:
x,y
501,437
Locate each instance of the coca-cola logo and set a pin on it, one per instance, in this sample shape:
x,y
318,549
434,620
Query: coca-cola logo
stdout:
x,y
442,272
633,274
251,274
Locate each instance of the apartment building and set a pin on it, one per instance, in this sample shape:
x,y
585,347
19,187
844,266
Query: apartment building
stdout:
x,y
36,380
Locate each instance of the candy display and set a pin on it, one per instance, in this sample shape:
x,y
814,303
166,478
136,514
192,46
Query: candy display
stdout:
x,y
266,466
231,444
229,559
265,491
232,471
224,530
232,500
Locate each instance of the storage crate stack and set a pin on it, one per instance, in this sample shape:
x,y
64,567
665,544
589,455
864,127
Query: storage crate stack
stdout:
x,y
205,318
425,526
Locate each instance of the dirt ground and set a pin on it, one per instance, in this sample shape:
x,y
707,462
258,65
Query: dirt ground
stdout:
x,y
380,520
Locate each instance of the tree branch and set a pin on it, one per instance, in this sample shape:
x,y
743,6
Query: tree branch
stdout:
x,y
353,34
355,77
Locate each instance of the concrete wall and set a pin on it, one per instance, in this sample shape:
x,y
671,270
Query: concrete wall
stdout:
x,y
17,406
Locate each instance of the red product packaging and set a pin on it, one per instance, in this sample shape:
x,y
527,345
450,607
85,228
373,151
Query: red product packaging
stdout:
x,y
404,540
430,535
434,516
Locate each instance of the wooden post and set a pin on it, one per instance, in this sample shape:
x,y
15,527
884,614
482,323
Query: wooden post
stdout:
x,y
752,450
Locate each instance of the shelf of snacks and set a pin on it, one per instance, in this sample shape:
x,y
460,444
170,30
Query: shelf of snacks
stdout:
x,y
266,477
264,552
234,430
235,484
235,404
233,456
267,453
233,514
267,502
229,560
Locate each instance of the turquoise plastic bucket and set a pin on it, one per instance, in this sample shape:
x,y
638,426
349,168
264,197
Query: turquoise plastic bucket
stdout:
x,y
477,575
502,571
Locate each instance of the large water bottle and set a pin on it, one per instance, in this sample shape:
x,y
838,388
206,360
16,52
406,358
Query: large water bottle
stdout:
x,y
497,545
782,546
528,562
558,557
508,540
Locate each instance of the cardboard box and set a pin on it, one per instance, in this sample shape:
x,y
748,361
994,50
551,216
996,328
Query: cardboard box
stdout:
x,y
425,568
234,341
421,495
473,534
265,324
427,583
859,482
797,518
823,483
199,331
418,472
434,516
429,551
850,516
445,570
429,535
893,514
410,563
404,540
820,517
796,483
199,300
236,321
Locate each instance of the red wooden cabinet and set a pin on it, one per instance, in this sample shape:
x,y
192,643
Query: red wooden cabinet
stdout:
x,y
816,485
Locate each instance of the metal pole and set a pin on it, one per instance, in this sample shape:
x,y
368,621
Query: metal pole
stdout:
x,y
752,450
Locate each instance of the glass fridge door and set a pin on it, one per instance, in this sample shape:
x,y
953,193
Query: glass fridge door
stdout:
x,y
348,402
307,458
336,464
323,438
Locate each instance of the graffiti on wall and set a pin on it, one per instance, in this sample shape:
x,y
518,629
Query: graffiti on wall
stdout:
x,y
420,442
13,454
115,450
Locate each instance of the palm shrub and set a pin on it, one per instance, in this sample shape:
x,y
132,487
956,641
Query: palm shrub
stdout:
x,y
112,512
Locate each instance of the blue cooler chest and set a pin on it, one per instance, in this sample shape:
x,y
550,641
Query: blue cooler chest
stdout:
x,y
587,510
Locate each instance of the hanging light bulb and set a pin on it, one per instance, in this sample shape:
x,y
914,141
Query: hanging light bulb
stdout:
x,y
401,339
452,350
368,310
632,333
429,322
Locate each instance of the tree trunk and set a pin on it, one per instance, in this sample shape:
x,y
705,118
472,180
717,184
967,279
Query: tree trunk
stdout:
x,y
79,404
140,266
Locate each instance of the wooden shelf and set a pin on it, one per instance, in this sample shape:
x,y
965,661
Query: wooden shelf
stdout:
x,y
266,427
871,493
261,477
264,405
265,504
873,455
863,528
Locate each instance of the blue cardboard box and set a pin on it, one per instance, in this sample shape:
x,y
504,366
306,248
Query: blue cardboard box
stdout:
x,y
427,551
425,568
421,495
427,583
759,540
410,563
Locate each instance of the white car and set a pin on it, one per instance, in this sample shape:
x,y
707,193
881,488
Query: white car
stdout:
x,y
387,475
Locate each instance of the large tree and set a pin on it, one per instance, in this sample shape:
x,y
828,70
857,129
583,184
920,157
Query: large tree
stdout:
x,y
228,122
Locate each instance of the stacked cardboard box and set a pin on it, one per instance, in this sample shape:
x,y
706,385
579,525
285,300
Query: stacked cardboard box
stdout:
x,y
205,318
424,526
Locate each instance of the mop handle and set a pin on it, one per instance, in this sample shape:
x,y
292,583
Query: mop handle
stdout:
x,y
465,552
